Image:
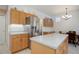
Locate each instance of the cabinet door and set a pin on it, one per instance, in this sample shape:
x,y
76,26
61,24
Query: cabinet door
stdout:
x,y
48,22
15,44
27,18
14,16
22,18
65,47
24,42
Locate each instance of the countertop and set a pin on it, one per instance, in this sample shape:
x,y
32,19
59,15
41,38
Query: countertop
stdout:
x,y
14,33
19,29
51,40
47,29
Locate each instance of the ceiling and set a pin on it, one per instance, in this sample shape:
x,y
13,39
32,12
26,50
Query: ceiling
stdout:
x,y
49,9
54,9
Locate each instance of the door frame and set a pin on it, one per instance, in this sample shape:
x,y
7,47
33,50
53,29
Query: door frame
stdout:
x,y
4,29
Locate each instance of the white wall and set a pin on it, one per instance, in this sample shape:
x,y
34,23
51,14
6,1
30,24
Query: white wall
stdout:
x,y
7,23
68,25
2,29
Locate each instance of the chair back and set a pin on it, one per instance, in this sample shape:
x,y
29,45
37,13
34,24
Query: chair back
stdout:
x,y
72,35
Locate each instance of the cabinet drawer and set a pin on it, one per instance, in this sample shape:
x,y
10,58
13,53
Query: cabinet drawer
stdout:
x,y
14,36
24,35
45,33
15,44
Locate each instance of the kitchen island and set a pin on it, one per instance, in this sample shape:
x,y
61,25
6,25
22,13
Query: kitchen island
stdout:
x,y
50,44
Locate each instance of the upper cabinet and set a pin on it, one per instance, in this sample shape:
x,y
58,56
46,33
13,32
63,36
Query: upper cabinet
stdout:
x,y
19,17
14,16
22,18
47,22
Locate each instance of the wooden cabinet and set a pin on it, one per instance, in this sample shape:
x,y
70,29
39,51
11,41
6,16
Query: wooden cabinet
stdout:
x,y
37,48
14,16
15,43
19,17
22,18
48,22
27,18
24,41
45,33
63,48
18,42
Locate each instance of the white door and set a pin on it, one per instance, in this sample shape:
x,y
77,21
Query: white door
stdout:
x,y
2,29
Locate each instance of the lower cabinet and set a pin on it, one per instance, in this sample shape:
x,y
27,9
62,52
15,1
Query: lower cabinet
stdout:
x,y
63,48
25,41
37,48
18,42
45,33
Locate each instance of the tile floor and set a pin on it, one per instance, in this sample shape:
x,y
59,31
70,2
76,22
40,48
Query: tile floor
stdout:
x,y
26,51
4,49
72,50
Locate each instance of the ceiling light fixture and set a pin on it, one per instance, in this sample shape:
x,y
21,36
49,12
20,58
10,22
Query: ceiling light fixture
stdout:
x,y
66,16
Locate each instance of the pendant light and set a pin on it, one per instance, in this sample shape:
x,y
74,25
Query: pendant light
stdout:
x,y
66,16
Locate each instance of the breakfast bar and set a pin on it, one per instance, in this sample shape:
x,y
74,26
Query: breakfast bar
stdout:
x,y
54,43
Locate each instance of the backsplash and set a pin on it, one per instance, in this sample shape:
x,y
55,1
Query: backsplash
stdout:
x,y
16,27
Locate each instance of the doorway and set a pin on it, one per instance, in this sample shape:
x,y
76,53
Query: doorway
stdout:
x,y
3,41
2,30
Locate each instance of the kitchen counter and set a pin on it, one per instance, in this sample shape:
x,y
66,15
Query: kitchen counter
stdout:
x,y
19,29
52,40
47,29
50,44
14,33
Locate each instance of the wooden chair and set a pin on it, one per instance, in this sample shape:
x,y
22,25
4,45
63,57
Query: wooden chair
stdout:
x,y
72,37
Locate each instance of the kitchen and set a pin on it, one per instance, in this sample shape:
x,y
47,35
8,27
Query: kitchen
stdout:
x,y
20,38
34,31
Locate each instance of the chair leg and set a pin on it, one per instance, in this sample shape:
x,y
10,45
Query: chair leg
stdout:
x,y
75,43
